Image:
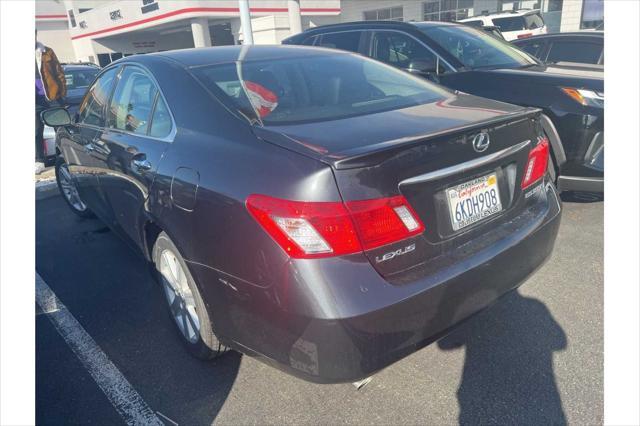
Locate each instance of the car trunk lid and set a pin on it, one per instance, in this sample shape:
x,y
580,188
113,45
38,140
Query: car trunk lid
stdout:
x,y
427,151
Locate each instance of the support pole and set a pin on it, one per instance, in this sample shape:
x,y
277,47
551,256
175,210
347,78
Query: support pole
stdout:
x,y
295,20
200,31
245,22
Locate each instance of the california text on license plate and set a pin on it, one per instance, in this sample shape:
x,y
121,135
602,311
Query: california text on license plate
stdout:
x,y
473,201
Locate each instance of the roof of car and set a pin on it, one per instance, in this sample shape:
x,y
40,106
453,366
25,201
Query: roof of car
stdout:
x,y
586,34
519,12
221,54
378,23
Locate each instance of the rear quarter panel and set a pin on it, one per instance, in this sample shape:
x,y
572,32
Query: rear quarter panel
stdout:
x,y
239,269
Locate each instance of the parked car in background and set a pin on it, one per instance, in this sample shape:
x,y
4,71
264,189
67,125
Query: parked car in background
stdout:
x,y
49,143
586,47
467,59
323,211
514,25
79,77
490,29
494,31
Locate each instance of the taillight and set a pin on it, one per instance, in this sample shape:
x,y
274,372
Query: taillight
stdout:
x,y
384,220
323,229
536,163
525,35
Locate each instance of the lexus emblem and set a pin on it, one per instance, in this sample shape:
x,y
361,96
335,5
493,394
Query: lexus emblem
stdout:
x,y
481,142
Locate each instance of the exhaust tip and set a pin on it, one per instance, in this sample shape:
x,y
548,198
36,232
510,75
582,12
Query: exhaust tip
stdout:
x,y
362,383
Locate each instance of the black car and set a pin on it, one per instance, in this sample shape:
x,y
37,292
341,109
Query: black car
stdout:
x,y
78,78
320,210
585,47
467,59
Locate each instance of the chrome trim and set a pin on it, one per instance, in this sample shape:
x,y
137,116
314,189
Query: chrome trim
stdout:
x,y
468,165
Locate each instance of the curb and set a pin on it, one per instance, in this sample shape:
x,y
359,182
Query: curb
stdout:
x,y
46,189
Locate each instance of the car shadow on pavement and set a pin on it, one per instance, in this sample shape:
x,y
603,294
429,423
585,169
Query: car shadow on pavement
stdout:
x,y
508,375
111,292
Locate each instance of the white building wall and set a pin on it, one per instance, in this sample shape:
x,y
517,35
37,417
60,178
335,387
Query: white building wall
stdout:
x,y
55,34
352,10
275,28
269,29
571,13
479,6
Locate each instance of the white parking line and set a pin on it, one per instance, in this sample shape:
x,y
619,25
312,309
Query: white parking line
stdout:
x,y
124,398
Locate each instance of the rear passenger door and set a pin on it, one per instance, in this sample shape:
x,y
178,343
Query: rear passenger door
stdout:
x,y
138,131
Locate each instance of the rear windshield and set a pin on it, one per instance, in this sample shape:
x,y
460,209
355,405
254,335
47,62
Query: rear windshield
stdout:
x,y
77,79
519,23
477,49
316,88
473,23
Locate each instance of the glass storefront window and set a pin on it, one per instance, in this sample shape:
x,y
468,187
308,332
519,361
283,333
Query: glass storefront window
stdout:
x,y
447,10
592,13
387,14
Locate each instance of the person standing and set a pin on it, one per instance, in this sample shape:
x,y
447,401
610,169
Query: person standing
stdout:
x,y
51,88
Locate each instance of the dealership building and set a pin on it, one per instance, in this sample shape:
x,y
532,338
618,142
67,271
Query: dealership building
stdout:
x,y
103,31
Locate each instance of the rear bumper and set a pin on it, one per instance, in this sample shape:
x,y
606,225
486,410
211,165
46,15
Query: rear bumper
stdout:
x,y
358,323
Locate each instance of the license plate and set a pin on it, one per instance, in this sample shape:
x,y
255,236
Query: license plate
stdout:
x,y
473,201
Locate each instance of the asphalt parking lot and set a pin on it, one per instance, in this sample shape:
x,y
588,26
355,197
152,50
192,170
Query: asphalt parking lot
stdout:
x,y
535,357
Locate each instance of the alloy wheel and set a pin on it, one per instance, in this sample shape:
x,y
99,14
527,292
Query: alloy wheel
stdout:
x,y
69,189
179,296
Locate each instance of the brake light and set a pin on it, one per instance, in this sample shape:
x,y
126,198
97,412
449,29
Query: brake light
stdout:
x,y
322,229
536,163
384,220
525,35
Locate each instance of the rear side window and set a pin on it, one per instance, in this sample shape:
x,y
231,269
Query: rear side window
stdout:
x,y
512,23
477,23
533,48
533,21
348,40
399,49
161,122
574,51
132,102
309,41
91,111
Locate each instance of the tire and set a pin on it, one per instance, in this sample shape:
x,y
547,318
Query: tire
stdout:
x,y
69,191
184,300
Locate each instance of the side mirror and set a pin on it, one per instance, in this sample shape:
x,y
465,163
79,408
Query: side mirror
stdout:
x,y
56,117
423,66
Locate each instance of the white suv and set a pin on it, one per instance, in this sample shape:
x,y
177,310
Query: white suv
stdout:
x,y
513,25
